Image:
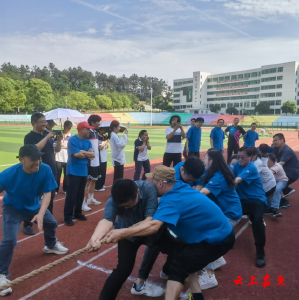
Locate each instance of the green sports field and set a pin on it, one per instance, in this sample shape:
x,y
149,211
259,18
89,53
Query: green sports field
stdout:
x,y
12,138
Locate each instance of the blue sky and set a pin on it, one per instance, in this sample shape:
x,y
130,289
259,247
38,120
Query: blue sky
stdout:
x,y
163,38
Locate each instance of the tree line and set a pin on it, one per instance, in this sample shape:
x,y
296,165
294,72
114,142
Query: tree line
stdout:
x,y
25,89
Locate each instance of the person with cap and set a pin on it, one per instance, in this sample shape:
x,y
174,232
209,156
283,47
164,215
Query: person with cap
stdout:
x,y
79,153
43,137
130,202
23,184
197,221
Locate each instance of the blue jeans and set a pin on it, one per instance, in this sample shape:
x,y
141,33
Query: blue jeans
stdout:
x,y
11,221
280,185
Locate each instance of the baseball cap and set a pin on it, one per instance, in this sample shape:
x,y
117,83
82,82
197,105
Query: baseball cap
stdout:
x,y
31,151
82,125
162,173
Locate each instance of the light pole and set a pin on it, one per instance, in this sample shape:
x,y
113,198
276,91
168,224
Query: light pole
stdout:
x,y
151,107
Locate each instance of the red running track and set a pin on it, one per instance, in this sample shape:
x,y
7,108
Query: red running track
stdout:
x,y
74,280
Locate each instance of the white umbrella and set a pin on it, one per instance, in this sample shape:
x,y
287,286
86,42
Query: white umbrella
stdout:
x,y
106,125
60,113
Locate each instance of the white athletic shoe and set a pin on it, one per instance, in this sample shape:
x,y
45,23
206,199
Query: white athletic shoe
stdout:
x,y
101,190
207,281
244,217
163,275
220,262
93,202
4,280
85,207
147,289
290,193
57,249
264,223
104,187
185,296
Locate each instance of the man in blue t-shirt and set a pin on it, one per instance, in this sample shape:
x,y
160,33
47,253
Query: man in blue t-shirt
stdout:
x,y
217,136
194,139
251,136
23,184
79,151
253,199
197,222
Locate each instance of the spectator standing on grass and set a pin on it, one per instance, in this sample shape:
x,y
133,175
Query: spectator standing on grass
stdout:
x,y
94,170
251,136
194,139
103,146
23,184
281,182
141,145
191,125
253,199
289,161
61,157
117,145
43,137
79,153
234,133
174,136
217,136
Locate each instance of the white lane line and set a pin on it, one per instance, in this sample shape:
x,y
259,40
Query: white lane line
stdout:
x,y
66,274
39,233
242,229
7,165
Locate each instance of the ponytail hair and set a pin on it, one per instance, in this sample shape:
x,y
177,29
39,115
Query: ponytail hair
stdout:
x,y
142,132
113,125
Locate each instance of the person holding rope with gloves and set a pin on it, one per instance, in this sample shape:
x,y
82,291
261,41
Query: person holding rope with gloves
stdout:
x,y
30,178
203,231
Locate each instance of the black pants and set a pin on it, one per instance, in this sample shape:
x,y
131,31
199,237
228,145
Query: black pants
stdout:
x,y
74,196
291,180
194,154
232,146
138,168
118,172
61,166
270,192
127,251
255,210
101,181
169,158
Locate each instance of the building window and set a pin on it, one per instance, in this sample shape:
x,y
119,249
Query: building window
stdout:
x,y
280,69
279,77
223,105
267,87
277,111
268,79
234,77
268,71
272,111
236,104
253,104
266,95
227,78
200,83
279,86
278,94
298,93
200,76
176,101
209,79
278,102
254,74
247,75
221,78
215,79
240,76
176,95
297,102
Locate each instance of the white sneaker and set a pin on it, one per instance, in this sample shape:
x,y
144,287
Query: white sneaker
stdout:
x,y
147,289
4,280
163,275
85,207
207,281
93,201
57,249
104,187
264,223
220,262
244,217
101,190
185,296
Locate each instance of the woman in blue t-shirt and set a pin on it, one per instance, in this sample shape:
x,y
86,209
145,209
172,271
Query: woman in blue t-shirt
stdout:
x,y
219,186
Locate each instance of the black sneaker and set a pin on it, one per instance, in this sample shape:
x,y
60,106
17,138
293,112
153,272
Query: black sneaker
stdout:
x,y
269,211
276,213
28,230
69,223
284,203
80,217
260,261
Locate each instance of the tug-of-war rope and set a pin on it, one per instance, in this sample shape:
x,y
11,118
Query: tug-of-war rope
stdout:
x,y
45,268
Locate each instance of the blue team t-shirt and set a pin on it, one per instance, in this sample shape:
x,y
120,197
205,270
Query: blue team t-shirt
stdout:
x,y
250,138
226,198
251,187
77,166
192,216
218,136
179,177
23,190
194,137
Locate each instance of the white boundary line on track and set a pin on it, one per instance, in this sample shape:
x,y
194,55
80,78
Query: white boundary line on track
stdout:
x,y
66,274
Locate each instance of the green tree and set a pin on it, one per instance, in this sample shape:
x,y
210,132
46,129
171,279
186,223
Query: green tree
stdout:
x,y
39,95
103,101
141,107
231,111
289,107
263,108
78,100
215,108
